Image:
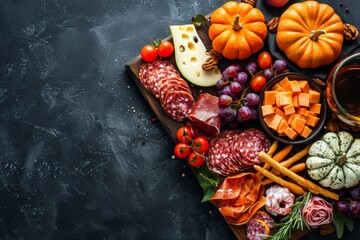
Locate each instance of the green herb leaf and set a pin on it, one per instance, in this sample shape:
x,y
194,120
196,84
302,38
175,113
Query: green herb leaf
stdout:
x,y
156,42
349,223
198,20
208,181
338,221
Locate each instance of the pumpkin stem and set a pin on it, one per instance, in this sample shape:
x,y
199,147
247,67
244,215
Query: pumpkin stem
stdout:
x,y
236,26
342,160
314,34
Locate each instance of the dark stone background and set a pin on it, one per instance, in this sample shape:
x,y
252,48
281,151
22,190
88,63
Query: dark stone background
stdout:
x,y
80,157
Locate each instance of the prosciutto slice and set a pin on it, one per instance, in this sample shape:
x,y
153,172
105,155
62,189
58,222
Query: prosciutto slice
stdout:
x,y
317,212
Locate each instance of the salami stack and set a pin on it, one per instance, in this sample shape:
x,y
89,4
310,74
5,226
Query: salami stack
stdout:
x,y
165,83
235,151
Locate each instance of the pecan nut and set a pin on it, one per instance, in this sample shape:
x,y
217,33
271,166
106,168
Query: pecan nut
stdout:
x,y
251,2
327,229
350,32
210,63
273,24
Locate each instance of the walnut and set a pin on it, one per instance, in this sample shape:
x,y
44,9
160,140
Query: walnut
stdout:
x,y
251,2
327,229
273,24
350,32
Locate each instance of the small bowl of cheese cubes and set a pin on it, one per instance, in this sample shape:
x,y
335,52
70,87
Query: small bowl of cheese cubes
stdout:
x,y
292,108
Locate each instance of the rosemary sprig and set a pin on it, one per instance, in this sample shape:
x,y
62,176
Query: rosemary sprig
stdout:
x,y
293,221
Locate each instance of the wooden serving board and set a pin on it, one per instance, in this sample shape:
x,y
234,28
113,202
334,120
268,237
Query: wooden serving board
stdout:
x,y
171,126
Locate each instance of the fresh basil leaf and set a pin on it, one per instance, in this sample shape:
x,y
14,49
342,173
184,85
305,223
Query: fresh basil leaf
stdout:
x,y
208,193
338,221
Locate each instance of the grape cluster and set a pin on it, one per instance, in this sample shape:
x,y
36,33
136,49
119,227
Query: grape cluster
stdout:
x,y
350,201
237,97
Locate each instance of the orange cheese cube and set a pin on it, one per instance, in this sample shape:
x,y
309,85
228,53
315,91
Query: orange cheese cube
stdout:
x,y
291,118
278,111
314,96
269,97
304,86
295,87
289,109
304,99
295,101
302,111
298,124
312,120
285,84
282,126
285,98
291,133
315,108
267,109
306,132
312,114
268,119
275,122
278,88
277,99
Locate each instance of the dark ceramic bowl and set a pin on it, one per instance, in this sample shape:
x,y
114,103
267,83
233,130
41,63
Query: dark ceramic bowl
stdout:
x,y
313,85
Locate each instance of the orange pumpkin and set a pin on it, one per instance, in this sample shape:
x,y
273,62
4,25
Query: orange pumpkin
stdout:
x,y
237,30
310,34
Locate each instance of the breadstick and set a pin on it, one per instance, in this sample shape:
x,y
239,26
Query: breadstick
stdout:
x,y
278,157
294,188
298,179
273,148
296,168
296,157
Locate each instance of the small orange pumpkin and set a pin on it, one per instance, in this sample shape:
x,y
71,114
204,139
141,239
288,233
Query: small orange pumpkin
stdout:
x,y
310,34
237,30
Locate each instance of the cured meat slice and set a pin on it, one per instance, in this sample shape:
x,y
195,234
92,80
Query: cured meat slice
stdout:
x,y
165,83
178,104
264,217
205,114
257,230
253,142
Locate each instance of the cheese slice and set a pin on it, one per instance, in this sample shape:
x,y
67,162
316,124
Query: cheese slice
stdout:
x,y
190,54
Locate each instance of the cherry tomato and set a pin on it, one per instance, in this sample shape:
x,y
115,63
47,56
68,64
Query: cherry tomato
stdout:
x,y
196,159
182,150
200,145
257,83
264,60
148,53
165,49
184,135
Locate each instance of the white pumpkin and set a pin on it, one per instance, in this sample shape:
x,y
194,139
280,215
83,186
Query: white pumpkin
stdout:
x,y
334,160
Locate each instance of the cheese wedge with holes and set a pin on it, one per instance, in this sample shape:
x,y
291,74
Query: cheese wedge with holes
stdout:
x,y
190,54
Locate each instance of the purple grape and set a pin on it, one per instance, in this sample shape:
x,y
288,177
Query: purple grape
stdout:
x,y
220,92
252,99
225,100
254,113
355,208
251,67
280,65
220,84
343,207
227,113
229,72
235,87
241,77
237,66
245,112
239,119
355,192
227,91
268,74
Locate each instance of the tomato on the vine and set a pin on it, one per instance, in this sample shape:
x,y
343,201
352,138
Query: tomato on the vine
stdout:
x,y
182,150
165,49
196,159
184,134
148,53
200,145
264,60
257,83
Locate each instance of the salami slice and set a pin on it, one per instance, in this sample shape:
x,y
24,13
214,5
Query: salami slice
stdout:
x,y
257,230
265,217
178,104
253,142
